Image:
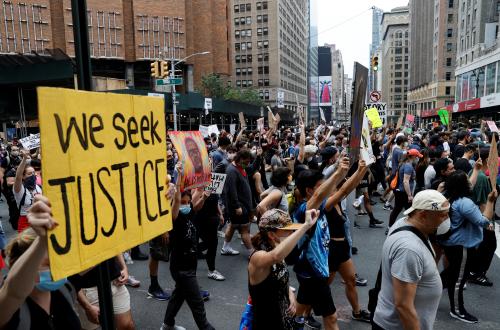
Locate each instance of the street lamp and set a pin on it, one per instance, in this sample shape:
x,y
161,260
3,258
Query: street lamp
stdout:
x,y
172,75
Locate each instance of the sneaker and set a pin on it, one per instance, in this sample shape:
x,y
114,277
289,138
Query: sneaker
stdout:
x,y
215,275
354,250
132,282
312,323
128,258
229,252
356,203
376,223
171,327
480,280
362,213
158,294
360,281
205,295
466,317
363,315
356,225
388,207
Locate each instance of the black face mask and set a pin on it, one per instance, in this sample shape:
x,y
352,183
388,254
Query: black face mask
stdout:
x,y
170,164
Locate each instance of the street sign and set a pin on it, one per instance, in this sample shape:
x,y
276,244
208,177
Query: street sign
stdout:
x,y
169,81
375,96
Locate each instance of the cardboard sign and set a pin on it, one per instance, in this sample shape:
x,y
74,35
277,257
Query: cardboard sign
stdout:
x,y
232,129
242,120
444,116
31,142
260,125
105,174
366,151
213,129
217,184
192,150
493,163
374,117
270,118
204,130
491,124
400,122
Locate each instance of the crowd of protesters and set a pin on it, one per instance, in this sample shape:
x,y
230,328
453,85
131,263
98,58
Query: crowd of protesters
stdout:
x,y
275,178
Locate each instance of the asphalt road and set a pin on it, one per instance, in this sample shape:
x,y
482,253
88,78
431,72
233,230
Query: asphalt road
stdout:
x,y
228,298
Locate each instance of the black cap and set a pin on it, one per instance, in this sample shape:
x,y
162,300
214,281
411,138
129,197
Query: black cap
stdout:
x,y
328,152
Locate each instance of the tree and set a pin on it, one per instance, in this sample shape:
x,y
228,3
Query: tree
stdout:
x,y
212,86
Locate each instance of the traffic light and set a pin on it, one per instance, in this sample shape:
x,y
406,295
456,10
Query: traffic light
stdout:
x,y
375,63
155,72
164,69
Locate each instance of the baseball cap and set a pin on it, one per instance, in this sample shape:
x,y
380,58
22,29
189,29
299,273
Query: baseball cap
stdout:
x,y
277,219
414,152
429,200
328,152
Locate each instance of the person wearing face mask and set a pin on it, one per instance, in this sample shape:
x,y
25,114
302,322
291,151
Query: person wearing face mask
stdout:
x,y
25,189
183,259
406,183
8,168
411,287
29,298
461,247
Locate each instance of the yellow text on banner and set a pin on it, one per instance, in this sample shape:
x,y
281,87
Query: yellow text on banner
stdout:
x,y
104,172
374,117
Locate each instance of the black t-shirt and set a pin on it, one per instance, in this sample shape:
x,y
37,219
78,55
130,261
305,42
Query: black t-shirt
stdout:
x,y
184,243
463,165
459,151
336,223
89,279
62,315
376,148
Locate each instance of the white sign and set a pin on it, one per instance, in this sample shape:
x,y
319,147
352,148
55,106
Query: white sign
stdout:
x,y
280,100
204,130
31,142
208,103
232,129
160,95
260,125
322,114
366,151
490,100
217,184
375,96
382,110
213,129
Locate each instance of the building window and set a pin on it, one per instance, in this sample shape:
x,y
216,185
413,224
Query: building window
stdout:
x,y
242,20
249,58
448,90
238,71
237,58
249,7
236,8
448,61
265,31
266,95
264,18
249,70
259,31
264,4
260,82
266,44
259,18
249,32
259,5
450,18
243,46
259,44
237,33
237,46
448,76
249,45
449,47
242,8
236,21
244,71
243,58
490,78
249,83
249,20
238,83
266,82
450,3
449,33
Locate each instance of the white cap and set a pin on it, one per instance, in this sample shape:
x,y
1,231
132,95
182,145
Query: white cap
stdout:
x,y
310,149
429,200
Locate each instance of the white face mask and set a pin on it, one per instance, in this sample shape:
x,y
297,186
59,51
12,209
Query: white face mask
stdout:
x,y
444,227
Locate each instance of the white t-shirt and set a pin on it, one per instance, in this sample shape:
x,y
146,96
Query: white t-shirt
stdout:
x,y
429,175
28,200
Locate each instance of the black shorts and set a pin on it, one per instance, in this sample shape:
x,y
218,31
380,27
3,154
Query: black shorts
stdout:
x,y
242,219
338,253
316,292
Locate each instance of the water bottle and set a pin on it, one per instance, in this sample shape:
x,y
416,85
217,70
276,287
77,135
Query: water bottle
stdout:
x,y
247,316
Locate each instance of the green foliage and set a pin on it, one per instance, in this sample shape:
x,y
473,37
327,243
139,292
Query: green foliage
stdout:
x,y
213,86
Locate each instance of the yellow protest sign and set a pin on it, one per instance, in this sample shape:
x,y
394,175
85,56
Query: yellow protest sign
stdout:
x,y
104,172
374,117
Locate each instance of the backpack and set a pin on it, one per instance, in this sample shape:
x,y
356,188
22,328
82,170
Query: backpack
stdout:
x,y
374,292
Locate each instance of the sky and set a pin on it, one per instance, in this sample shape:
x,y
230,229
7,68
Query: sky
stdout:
x,y
348,25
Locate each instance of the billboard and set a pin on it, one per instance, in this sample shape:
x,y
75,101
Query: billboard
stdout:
x,y
325,91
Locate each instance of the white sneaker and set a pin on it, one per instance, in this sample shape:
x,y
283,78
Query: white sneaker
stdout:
x,y
229,252
220,233
215,275
128,258
175,327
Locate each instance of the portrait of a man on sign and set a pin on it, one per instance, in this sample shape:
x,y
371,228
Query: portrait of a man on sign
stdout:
x,y
192,151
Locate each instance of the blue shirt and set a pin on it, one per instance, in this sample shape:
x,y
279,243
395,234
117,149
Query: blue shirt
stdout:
x,y
406,168
313,261
467,224
397,153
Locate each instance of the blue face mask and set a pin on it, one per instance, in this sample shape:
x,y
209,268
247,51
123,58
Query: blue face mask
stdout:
x,y
46,283
185,209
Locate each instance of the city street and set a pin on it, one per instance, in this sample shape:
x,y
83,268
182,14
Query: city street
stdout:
x,y
228,298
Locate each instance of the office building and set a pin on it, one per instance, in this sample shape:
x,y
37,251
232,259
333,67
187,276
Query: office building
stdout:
x,y
344,116
375,44
270,48
312,63
395,60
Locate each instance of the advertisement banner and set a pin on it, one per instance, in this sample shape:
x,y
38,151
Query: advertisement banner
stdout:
x,y
325,91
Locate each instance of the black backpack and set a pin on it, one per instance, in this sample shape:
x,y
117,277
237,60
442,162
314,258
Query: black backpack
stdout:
x,y
374,292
